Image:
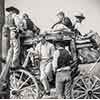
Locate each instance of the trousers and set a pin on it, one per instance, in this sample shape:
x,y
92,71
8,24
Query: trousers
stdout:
x,y
46,74
63,84
12,57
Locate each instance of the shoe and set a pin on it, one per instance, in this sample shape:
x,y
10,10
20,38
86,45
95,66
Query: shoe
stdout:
x,y
47,93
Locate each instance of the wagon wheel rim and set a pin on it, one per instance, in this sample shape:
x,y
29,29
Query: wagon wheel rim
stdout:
x,y
87,87
23,85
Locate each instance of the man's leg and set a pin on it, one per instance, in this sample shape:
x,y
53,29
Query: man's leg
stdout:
x,y
15,60
46,85
59,85
73,49
48,71
43,78
6,67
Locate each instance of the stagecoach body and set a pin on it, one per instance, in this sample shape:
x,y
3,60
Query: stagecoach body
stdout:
x,y
25,83
87,84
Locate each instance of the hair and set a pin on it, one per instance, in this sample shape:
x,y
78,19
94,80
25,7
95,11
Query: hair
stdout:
x,y
25,15
61,13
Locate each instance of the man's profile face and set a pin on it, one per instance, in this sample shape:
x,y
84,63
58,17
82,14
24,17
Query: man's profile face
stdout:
x,y
60,17
11,12
79,20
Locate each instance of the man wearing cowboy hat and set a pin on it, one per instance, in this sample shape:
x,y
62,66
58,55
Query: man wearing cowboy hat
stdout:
x,y
14,19
9,22
79,17
12,23
14,27
45,51
61,65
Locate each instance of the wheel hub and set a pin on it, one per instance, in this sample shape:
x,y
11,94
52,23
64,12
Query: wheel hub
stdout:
x,y
90,92
15,92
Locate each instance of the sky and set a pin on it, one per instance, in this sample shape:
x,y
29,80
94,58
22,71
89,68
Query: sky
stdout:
x,y
43,12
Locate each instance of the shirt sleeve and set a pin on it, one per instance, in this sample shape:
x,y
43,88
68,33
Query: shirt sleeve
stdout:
x,y
24,24
61,27
37,49
18,22
52,50
55,59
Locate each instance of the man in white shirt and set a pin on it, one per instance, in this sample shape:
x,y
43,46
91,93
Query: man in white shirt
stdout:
x,y
45,51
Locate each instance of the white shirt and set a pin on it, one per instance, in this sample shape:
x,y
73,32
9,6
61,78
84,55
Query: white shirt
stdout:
x,y
45,51
17,20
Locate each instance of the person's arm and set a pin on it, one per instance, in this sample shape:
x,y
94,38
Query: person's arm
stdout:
x,y
61,27
37,49
24,25
19,23
55,60
52,49
36,29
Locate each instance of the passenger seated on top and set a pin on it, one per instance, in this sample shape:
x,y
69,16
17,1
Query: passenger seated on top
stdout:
x,y
63,24
63,20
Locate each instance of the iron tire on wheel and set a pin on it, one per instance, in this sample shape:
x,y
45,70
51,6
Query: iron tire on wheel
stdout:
x,y
86,87
23,85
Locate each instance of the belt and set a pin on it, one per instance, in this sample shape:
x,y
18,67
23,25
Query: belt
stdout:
x,y
67,68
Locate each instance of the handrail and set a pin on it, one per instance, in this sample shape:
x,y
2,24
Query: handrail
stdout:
x,y
93,66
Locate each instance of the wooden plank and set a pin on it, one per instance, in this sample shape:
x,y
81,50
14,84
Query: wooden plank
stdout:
x,y
1,25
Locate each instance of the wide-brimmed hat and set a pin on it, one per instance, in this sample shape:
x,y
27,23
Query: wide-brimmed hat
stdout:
x,y
12,9
79,15
60,13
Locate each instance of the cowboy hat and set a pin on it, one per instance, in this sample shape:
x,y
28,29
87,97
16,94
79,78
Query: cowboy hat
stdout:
x,y
79,15
60,13
12,9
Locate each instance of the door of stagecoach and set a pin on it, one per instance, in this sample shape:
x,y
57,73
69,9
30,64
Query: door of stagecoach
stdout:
x,y
91,66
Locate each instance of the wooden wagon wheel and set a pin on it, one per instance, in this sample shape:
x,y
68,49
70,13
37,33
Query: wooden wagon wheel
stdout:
x,y
86,87
23,85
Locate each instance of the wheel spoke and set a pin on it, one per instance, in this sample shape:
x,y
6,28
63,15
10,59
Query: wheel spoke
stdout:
x,y
34,90
27,87
80,86
14,79
86,97
84,83
78,91
24,83
96,88
96,97
81,96
19,81
89,83
94,84
96,92
33,93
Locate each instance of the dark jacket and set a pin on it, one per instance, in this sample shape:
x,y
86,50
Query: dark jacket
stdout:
x,y
31,26
66,21
64,58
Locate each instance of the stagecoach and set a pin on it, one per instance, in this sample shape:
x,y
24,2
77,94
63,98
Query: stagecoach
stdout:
x,y
25,82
